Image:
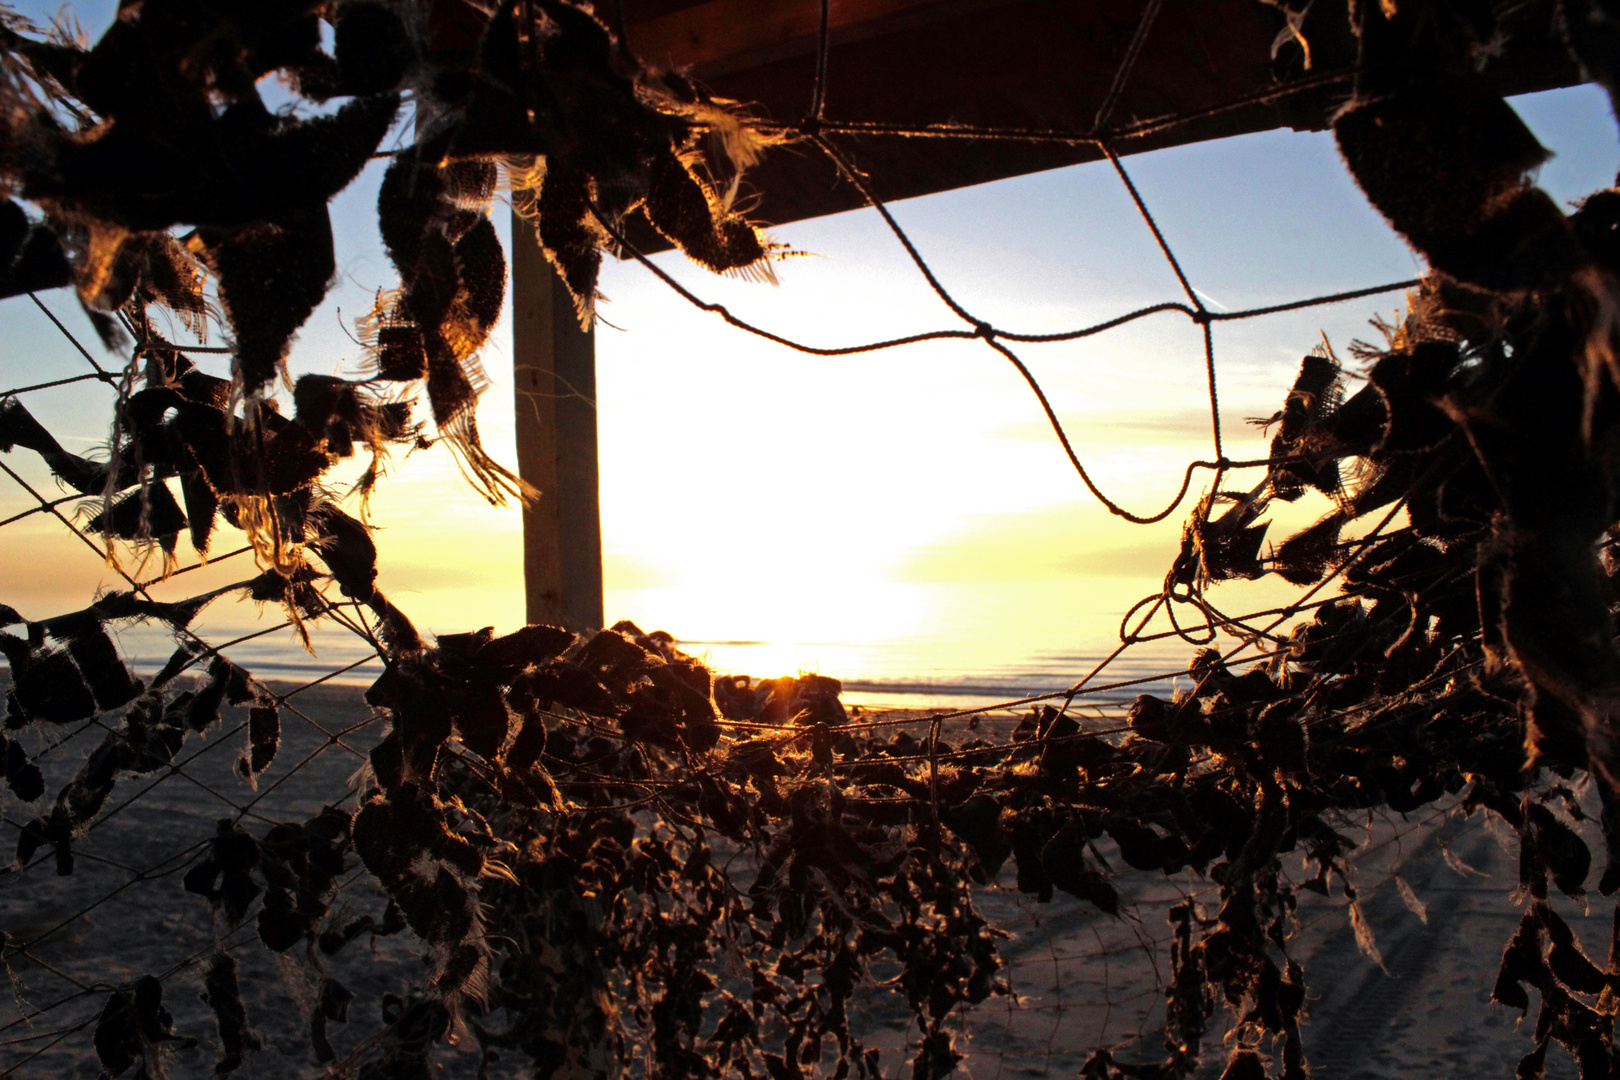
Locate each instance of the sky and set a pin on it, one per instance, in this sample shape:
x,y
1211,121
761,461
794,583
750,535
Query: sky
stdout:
x,y
898,514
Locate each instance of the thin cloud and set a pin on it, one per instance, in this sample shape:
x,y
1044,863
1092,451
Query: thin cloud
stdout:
x,y
1163,427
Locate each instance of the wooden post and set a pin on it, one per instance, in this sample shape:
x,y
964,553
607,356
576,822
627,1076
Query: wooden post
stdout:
x,y
554,365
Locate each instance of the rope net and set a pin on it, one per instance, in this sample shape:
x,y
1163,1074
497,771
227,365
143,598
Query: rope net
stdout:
x,y
588,854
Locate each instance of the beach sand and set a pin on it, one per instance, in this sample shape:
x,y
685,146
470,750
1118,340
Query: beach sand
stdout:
x,y
1080,979
123,912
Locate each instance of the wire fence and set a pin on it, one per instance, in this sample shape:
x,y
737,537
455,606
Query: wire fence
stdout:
x,y
151,780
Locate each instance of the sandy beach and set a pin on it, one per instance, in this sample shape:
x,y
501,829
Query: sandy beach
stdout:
x,y
1079,979
123,912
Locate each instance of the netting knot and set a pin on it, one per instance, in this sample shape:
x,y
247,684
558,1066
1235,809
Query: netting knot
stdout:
x,y
810,126
984,330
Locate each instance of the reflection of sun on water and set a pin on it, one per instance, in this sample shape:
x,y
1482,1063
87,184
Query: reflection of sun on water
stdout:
x,y
811,625
807,590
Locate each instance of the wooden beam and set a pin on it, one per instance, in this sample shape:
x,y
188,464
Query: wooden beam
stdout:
x,y
721,36
724,28
1021,66
554,368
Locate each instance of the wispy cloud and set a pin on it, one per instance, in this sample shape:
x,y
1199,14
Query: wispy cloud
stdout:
x,y
1067,541
1158,427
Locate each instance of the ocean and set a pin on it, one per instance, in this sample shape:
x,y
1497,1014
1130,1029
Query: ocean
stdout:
x,y
1011,652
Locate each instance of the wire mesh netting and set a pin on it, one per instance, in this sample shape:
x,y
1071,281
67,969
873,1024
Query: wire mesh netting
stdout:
x,y
585,854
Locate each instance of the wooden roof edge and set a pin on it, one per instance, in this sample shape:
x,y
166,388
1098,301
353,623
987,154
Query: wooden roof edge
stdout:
x,y
716,38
